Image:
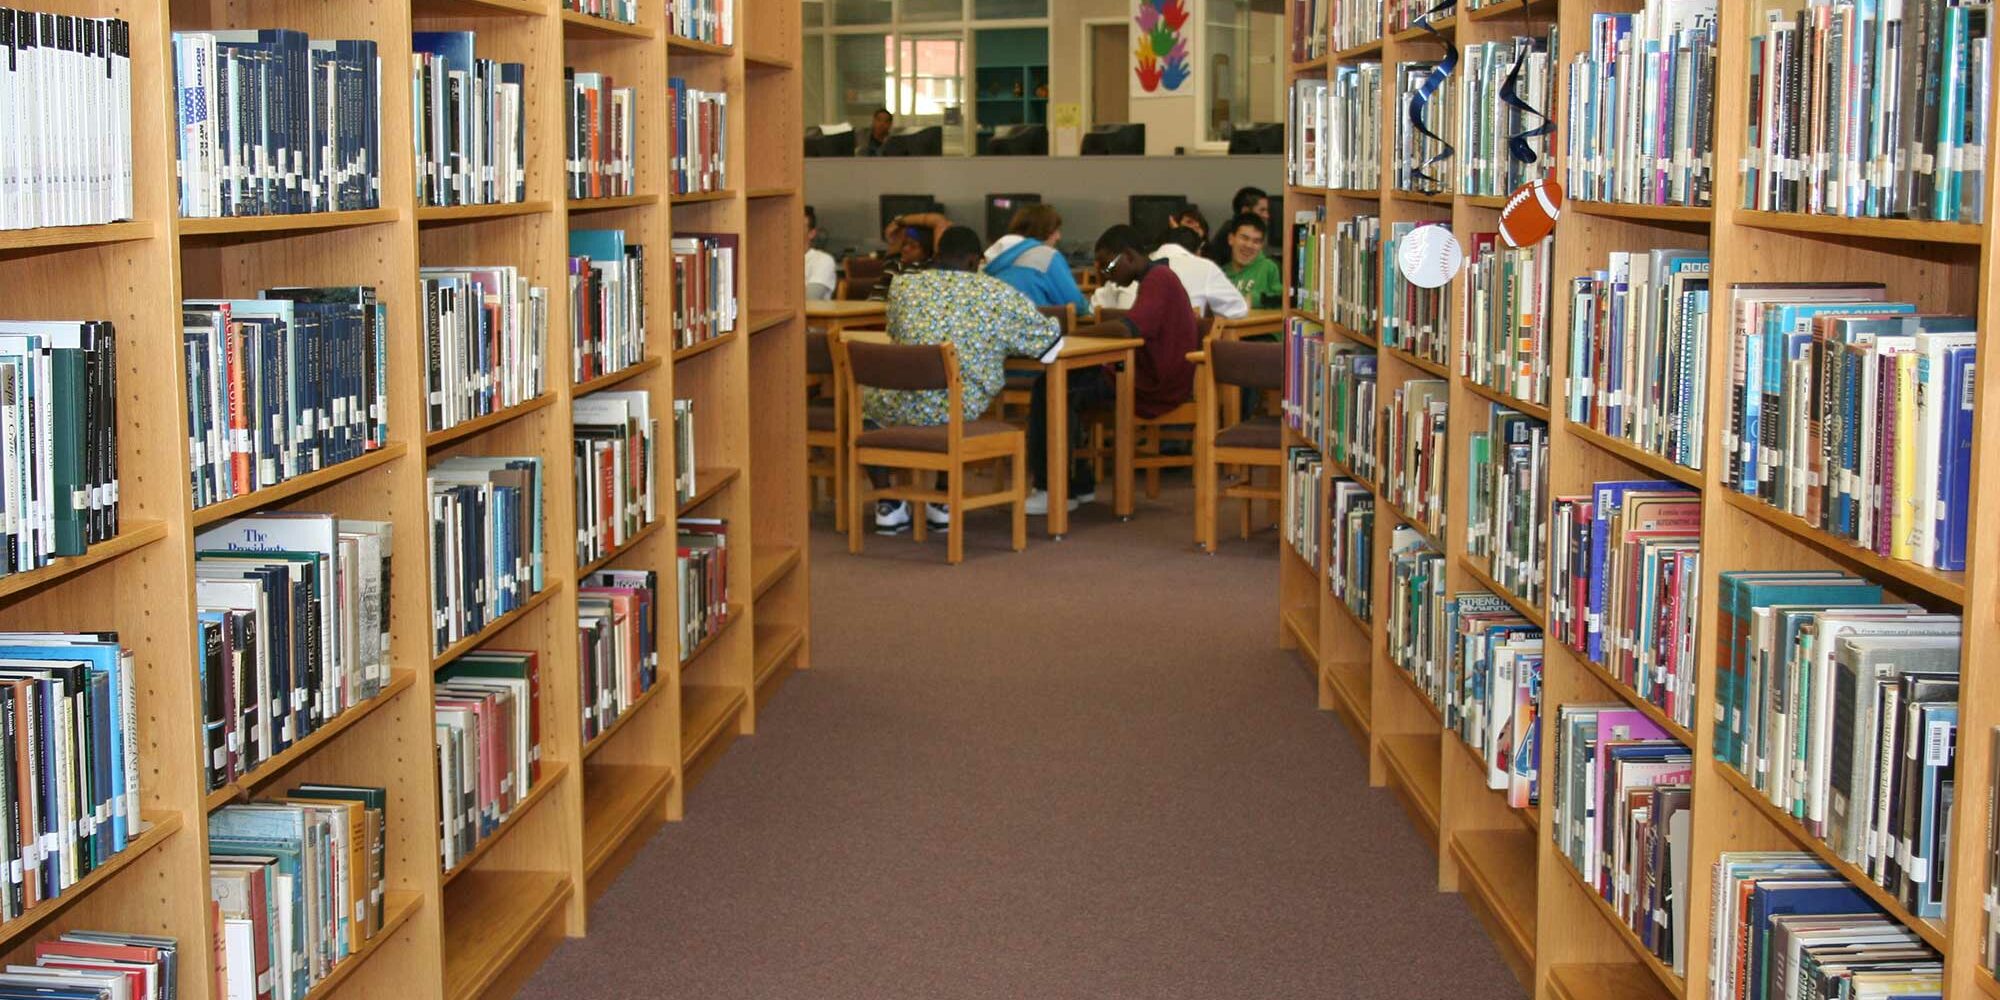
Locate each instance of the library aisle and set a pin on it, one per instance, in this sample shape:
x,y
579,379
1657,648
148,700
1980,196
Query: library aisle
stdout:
x,y
1106,782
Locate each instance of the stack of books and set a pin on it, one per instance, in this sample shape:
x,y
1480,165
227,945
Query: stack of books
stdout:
x,y
471,135
1493,691
1418,161
607,315
712,21
486,541
702,568
1414,320
701,137
1307,287
1641,112
1499,77
1356,23
1505,346
618,648
486,338
705,305
59,454
1350,564
622,11
98,963
1304,519
68,81
1419,640
1836,941
1413,451
1507,502
1358,273
488,712
1623,794
1638,354
613,461
600,118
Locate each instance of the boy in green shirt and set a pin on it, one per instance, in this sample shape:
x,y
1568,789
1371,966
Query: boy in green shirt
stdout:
x,y
1254,274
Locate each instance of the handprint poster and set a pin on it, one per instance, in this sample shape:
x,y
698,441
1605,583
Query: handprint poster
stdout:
x,y
1163,49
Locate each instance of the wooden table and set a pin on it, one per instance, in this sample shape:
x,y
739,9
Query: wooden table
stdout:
x,y
833,316
1255,323
1077,353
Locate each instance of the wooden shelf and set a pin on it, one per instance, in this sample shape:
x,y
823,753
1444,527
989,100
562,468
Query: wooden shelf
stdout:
x,y
1349,333
553,773
1937,583
617,800
1365,49
137,534
1657,464
767,61
65,237
768,565
1303,622
1529,815
1609,981
398,906
1445,25
772,645
1983,978
298,485
1494,202
1309,66
479,425
242,788
1498,866
1362,625
444,215
1657,973
1485,580
476,8
1409,685
1911,230
578,390
489,920
782,191
1624,691
638,537
1537,410
706,711
703,347
579,23
765,319
609,203
1512,9
734,615
633,711
1441,199
1702,215
1413,766
701,197
1424,365
496,626
1408,519
695,47
1358,194
707,483
163,826
285,225
1350,684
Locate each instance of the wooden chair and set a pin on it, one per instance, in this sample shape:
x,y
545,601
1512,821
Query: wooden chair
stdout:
x,y
1018,393
859,276
826,425
1149,436
1220,440
951,448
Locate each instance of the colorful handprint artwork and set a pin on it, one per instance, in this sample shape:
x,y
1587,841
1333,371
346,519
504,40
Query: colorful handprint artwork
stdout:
x,y
1163,60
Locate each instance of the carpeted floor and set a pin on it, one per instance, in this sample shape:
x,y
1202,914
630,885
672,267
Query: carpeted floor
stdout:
x,y
1084,770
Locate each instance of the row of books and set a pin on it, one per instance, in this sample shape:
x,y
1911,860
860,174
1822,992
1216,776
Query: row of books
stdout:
x,y
486,335
612,456
607,289
65,91
1860,110
471,140
1402,15
1784,921
684,452
1350,567
1414,432
1359,271
1356,23
1493,691
1419,635
1306,287
1507,92
1330,397
272,122
58,440
486,541
705,305
1414,320
712,21
617,643
282,385
1303,516
1336,139
622,11
487,709
1855,414
69,760
1507,502
1309,23
299,882
1641,114
600,125
1505,344
701,137
97,965
292,630
702,571
1624,563
1638,351
1419,160
1622,796
1848,709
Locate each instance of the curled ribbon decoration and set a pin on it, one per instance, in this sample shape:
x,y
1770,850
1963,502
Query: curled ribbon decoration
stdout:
x,y
1510,93
1420,101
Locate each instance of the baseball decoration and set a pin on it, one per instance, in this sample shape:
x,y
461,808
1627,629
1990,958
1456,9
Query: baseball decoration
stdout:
x,y
1429,256
1531,211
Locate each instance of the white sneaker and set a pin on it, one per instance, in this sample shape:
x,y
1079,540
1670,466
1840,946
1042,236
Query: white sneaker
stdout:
x,y
892,517
1038,502
937,516
1083,498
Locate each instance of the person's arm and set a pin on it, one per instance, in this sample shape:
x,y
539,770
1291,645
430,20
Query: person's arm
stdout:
x,y
1022,329
1224,299
1065,286
1143,316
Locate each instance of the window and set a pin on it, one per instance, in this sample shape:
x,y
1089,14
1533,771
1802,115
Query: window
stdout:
x,y
815,79
1000,10
862,11
928,77
859,69
1242,76
933,10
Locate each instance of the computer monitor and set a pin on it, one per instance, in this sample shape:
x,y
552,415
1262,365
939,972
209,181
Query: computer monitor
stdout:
x,y
1000,210
1019,140
1152,214
906,204
915,140
830,140
1257,137
1115,140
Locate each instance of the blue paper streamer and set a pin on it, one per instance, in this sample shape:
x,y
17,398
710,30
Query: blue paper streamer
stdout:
x,y
1420,101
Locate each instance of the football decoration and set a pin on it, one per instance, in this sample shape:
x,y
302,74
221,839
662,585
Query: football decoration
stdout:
x,y
1531,212
1429,256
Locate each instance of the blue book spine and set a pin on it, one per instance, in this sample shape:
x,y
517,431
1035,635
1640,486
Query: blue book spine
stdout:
x,y
1955,460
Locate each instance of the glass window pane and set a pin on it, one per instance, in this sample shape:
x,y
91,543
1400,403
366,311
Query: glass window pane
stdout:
x,y
993,10
862,11
859,70
1240,42
814,70
933,10
814,14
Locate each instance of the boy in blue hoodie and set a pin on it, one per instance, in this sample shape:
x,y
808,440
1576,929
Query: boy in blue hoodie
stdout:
x,y
1027,259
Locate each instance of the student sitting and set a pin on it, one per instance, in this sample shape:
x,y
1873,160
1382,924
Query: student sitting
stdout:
x,y
1252,200
983,318
822,274
1207,287
880,124
1164,378
910,249
1027,258
1253,271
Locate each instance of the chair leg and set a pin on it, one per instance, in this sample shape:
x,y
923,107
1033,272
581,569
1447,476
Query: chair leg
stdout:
x,y
1249,479
919,527
837,483
1205,504
954,492
1019,488
854,505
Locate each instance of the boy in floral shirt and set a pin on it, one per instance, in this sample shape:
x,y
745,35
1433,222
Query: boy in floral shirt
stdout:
x,y
985,319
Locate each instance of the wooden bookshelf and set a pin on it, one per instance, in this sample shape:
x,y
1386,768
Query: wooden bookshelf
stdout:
x,y
1564,941
480,929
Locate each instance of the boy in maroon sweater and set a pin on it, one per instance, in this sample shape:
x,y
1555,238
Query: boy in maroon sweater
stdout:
x,y
1161,316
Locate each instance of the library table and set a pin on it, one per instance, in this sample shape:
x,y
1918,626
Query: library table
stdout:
x,y
834,316
1077,353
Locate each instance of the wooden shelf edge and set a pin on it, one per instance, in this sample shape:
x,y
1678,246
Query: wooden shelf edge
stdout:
x,y
1510,8
1625,693
1507,399
1310,65
398,906
1703,215
1356,701
779,191
631,712
1357,51
65,237
698,731
535,910
769,564
1657,464
621,827
781,645
708,641
448,214
1909,230
1484,579
298,485
279,225
1654,969
1411,521
1362,625
137,534
1421,364
242,788
703,347
701,197
1937,583
610,203
609,379
481,424
1488,856
1605,981
1410,685
765,60
553,773
163,824
695,46
1404,754
622,549
1302,621
765,319
494,627
605,25
1445,26
1346,332
1529,815
707,482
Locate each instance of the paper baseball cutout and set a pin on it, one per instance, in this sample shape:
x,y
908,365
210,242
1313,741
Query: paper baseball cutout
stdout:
x,y
1531,211
1430,256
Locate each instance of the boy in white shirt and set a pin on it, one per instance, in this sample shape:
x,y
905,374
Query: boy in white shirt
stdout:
x,y
1208,289
821,272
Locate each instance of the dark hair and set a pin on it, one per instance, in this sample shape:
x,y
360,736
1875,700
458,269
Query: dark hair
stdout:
x,y
812,218
923,238
1246,199
1251,219
1183,237
1036,221
958,241
883,111
1121,238
1192,212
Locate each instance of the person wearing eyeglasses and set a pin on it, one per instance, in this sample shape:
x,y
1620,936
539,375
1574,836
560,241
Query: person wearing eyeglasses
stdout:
x,y
1160,315
1208,288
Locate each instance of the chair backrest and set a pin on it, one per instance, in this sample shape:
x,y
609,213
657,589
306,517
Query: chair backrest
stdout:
x,y
1065,313
1247,364
1204,322
864,268
819,353
900,366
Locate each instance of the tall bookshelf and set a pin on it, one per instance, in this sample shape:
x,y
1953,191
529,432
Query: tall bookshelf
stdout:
x,y
1553,931
481,928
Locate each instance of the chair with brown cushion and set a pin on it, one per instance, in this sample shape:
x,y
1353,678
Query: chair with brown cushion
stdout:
x,y
859,276
1221,441
1149,436
952,448
1017,394
826,425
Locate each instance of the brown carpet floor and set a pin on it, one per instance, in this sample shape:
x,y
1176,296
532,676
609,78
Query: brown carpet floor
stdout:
x,y
1084,770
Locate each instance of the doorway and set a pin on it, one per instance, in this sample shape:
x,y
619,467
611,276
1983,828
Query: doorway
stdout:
x,y
1110,96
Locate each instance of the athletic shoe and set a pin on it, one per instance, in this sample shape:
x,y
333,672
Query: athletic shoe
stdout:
x,y
1084,498
892,517
1038,502
938,516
